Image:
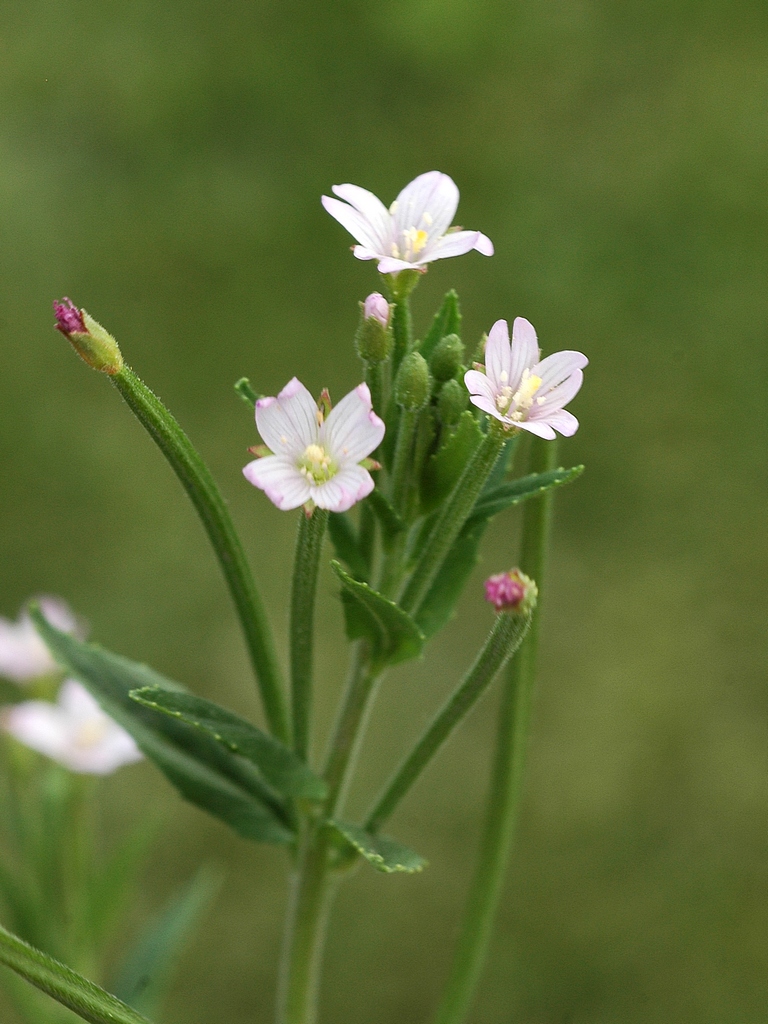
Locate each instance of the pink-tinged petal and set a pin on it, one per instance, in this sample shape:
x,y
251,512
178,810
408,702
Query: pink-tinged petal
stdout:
x,y
280,479
477,383
563,421
538,427
557,367
432,193
525,350
498,360
350,485
352,430
36,724
487,405
362,253
368,206
558,396
357,225
23,655
288,423
484,245
454,244
390,265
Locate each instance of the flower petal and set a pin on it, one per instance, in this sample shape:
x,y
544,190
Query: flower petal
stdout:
x,y
487,405
355,223
477,383
557,367
484,245
351,484
525,350
558,396
370,207
498,359
454,244
563,421
538,427
365,254
352,430
433,194
280,479
288,423
390,265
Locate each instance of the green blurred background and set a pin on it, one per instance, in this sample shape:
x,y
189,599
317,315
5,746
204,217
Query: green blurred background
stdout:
x,y
162,164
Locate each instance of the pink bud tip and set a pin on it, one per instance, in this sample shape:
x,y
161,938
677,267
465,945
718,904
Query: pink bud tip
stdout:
x,y
69,319
377,306
509,591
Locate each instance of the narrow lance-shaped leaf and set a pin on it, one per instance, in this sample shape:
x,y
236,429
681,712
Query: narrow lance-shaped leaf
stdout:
x,y
63,984
203,771
384,854
393,634
443,470
281,768
499,498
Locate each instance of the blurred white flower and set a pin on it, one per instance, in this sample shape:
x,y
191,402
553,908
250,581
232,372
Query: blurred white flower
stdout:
x,y
74,731
23,655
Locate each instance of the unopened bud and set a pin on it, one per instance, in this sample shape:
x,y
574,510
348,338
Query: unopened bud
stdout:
x,y
447,356
374,339
511,591
413,384
88,338
451,402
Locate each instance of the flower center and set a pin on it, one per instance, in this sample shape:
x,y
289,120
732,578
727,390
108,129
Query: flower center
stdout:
x,y
316,464
519,401
90,734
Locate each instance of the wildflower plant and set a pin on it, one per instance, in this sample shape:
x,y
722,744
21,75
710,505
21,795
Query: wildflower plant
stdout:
x,y
397,484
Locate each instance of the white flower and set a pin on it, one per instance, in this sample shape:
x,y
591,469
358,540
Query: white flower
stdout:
x,y
522,390
413,232
23,655
74,731
313,459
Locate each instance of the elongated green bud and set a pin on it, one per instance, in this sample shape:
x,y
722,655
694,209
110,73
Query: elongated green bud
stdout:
x,y
447,357
451,402
413,384
374,340
88,338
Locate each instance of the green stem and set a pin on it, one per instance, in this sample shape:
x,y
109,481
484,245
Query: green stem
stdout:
x,y
451,519
402,330
507,772
402,465
308,546
63,984
504,639
201,488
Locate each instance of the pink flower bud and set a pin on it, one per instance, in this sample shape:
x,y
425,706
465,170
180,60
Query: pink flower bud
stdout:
x,y
377,306
511,591
69,319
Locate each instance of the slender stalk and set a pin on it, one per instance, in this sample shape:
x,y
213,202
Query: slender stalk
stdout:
x,y
402,465
201,488
402,329
504,639
309,543
507,772
451,519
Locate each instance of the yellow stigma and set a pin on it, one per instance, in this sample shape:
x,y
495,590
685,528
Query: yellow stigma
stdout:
x,y
521,400
415,240
316,464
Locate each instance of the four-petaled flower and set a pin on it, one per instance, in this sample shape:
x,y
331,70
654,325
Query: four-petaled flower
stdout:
x,y
523,390
313,459
414,231
74,731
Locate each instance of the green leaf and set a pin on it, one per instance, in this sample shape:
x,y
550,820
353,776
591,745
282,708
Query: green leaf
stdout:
x,y
499,498
393,634
63,984
202,770
436,610
146,972
390,521
447,320
281,767
443,470
384,854
344,540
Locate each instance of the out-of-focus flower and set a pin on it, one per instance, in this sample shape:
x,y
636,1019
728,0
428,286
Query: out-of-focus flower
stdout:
x,y
311,458
413,232
74,731
23,655
511,591
522,390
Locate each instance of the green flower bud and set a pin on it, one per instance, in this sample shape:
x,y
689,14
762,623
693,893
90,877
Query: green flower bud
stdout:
x,y
88,338
447,356
413,384
451,402
374,340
